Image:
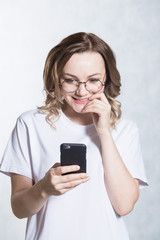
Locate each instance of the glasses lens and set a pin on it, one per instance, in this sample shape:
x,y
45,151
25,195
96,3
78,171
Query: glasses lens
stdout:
x,y
93,85
69,85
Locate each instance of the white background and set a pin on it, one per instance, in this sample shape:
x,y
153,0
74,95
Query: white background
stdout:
x,y
29,29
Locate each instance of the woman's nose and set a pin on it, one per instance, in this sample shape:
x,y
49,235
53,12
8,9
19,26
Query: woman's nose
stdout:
x,y
82,91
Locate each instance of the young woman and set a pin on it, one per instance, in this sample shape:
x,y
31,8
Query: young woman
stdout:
x,y
81,83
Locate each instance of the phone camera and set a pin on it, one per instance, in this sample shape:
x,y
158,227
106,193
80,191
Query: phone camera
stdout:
x,y
67,146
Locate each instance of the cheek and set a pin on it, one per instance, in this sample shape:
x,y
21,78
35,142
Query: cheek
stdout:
x,y
102,90
66,96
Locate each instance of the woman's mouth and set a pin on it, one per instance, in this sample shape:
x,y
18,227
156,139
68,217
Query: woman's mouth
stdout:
x,y
81,100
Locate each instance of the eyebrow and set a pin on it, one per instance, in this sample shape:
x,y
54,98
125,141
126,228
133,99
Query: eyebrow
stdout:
x,y
71,75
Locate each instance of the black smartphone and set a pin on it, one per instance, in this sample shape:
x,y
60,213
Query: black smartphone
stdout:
x,y
73,154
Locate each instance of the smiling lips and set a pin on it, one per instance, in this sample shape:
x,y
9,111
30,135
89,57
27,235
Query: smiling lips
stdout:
x,y
81,101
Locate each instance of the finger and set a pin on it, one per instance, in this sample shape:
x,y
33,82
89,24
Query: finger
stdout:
x,y
57,164
71,185
65,169
96,95
101,102
64,190
96,101
73,177
100,109
100,96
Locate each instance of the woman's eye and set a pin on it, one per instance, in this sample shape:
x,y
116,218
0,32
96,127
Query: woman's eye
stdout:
x,y
69,80
93,80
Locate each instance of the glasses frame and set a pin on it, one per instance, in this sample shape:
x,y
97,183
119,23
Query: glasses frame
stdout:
x,y
85,83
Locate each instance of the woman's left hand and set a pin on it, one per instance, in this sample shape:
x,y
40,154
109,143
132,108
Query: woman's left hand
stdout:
x,y
101,110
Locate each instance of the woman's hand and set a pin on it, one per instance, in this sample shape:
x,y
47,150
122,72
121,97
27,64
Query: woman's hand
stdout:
x,y
54,183
28,198
101,110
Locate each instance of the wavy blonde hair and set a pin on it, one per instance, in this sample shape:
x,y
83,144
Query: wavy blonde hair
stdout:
x,y
55,62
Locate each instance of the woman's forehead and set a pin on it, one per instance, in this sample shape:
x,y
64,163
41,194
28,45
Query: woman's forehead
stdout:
x,y
87,63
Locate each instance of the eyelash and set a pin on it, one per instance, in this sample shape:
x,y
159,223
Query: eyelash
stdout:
x,y
69,79
91,79
94,79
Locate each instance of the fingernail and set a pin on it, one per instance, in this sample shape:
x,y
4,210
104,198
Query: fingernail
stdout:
x,y
77,167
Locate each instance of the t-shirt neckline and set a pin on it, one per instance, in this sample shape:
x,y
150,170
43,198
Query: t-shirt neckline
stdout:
x,y
70,123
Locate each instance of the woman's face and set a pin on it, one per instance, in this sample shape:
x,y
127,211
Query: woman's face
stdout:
x,y
82,67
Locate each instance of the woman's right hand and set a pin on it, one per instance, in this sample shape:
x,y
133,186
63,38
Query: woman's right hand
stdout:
x,y
54,183
29,197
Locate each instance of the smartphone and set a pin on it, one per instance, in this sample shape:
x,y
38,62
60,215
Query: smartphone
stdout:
x,y
73,154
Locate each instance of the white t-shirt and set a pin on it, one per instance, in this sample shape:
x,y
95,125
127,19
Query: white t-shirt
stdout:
x,y
85,212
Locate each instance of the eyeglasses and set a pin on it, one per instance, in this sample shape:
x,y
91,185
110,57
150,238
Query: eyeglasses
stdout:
x,y
92,85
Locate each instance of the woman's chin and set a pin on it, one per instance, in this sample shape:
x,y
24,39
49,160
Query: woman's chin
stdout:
x,y
77,108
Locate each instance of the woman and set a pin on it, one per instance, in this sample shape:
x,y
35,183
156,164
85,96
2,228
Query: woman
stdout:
x,y
81,83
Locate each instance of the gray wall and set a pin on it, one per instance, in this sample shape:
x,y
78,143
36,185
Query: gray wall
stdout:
x,y
30,28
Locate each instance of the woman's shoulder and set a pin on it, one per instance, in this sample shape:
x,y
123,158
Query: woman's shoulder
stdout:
x,y
27,114
126,124
31,115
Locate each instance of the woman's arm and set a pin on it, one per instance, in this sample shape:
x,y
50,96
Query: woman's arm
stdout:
x,y
28,198
122,188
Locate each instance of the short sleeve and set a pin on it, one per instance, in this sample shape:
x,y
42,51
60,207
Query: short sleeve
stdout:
x,y
16,158
132,155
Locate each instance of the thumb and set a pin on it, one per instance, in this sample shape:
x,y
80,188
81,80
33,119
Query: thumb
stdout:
x,y
56,165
